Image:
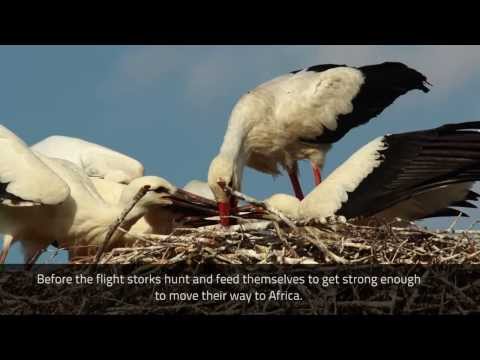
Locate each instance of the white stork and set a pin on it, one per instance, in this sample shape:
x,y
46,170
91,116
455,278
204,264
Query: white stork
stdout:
x,y
299,116
45,200
96,160
412,176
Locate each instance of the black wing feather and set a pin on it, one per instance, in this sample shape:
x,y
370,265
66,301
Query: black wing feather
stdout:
x,y
383,84
463,203
413,163
446,213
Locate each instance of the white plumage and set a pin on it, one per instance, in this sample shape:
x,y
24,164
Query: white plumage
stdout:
x,y
286,204
96,160
199,188
63,204
45,187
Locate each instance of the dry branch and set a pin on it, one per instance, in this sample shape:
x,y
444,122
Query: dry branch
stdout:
x,y
140,194
264,241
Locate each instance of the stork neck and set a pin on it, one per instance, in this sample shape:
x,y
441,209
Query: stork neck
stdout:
x,y
233,145
234,152
133,216
238,128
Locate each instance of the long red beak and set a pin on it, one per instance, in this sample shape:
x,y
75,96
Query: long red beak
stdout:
x,y
226,207
317,176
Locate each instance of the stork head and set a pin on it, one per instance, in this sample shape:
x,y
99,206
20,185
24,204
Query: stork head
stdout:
x,y
159,191
223,171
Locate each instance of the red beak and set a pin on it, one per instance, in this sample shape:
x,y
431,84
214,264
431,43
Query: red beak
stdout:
x,y
224,211
225,207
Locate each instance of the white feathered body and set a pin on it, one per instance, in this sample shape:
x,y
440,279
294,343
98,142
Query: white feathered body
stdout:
x,y
267,123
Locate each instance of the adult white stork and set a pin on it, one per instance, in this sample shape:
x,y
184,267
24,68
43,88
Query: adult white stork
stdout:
x,y
412,175
45,200
96,160
299,116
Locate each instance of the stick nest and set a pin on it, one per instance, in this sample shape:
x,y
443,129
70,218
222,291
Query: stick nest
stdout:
x,y
345,246
268,242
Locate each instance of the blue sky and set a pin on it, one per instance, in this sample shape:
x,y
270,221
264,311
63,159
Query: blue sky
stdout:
x,y
168,106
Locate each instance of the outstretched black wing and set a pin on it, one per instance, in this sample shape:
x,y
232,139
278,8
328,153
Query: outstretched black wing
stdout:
x,y
415,162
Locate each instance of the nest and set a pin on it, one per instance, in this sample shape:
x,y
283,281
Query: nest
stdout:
x,y
266,236
335,248
270,242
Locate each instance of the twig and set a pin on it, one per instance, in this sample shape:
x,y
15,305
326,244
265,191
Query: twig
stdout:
x,y
454,222
457,290
262,205
140,194
323,248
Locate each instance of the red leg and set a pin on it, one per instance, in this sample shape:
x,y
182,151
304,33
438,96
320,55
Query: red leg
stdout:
x,y
316,174
297,188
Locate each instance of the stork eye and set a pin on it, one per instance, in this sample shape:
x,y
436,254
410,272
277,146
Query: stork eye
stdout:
x,y
161,189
